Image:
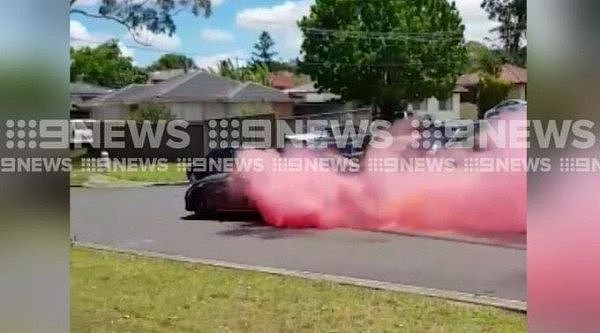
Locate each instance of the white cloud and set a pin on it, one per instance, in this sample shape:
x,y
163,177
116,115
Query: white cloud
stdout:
x,y
78,32
127,52
216,35
213,60
87,3
477,24
163,42
81,36
91,3
279,20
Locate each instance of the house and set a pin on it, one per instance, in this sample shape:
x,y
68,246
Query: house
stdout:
x,y
81,93
463,102
448,109
195,97
517,76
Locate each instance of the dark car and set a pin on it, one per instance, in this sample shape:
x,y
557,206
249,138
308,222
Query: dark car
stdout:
x,y
220,192
196,172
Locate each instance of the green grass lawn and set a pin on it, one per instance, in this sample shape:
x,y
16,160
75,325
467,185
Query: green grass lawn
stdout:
x,y
124,293
170,175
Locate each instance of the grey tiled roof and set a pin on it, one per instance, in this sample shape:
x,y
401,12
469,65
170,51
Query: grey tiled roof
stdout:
x,y
311,94
194,87
82,88
252,92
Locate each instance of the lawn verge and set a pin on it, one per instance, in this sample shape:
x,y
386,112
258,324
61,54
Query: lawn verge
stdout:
x,y
172,174
124,292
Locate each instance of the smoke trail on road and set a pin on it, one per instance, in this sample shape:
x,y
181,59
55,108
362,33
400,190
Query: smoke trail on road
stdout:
x,y
472,203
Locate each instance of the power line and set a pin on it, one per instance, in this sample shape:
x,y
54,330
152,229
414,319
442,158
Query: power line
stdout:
x,y
191,55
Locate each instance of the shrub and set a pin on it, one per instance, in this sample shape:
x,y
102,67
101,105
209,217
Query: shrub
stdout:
x,y
491,92
150,112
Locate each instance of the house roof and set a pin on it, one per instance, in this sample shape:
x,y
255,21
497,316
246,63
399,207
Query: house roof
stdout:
x,y
82,92
460,89
311,94
305,88
511,73
193,87
82,88
282,80
468,80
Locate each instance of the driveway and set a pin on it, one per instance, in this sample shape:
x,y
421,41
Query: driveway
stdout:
x,y
153,219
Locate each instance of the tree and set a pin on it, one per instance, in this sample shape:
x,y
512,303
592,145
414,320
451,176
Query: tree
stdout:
x,y
512,16
521,59
384,52
483,59
259,73
155,16
104,66
173,61
263,50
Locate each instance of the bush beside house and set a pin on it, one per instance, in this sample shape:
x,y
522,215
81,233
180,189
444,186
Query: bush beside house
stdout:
x,y
491,92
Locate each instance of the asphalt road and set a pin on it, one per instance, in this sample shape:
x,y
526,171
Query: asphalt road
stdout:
x,y
153,219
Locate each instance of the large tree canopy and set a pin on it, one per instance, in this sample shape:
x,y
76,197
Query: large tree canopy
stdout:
x,y
155,16
385,52
512,16
104,66
173,61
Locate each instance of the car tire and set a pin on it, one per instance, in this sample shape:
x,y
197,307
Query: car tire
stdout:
x,y
202,210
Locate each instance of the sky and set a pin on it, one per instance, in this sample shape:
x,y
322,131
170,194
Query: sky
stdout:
x,y
231,30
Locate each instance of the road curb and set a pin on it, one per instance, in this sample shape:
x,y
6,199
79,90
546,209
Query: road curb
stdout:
x,y
141,185
511,305
459,239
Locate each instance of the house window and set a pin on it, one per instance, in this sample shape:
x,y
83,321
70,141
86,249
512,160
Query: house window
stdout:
x,y
446,105
419,105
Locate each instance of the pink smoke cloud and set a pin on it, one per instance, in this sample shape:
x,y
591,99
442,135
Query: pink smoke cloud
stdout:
x,y
456,202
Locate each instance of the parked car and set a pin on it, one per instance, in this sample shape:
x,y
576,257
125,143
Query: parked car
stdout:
x,y
510,105
215,193
454,135
325,138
